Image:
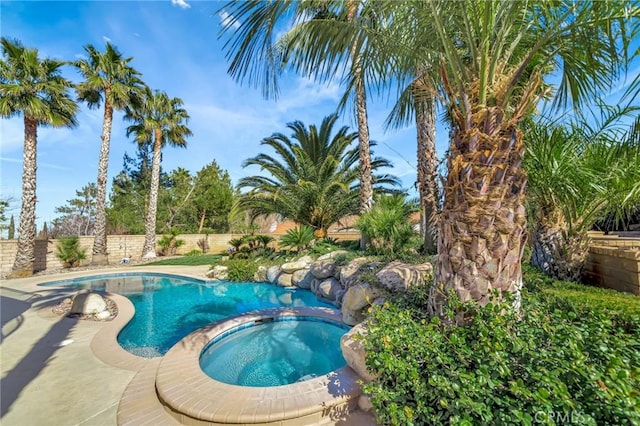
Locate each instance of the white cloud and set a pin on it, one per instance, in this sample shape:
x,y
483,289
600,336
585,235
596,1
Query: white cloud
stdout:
x,y
40,163
229,20
107,39
307,93
181,3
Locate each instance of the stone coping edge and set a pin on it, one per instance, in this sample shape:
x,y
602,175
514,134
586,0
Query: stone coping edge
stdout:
x,y
186,390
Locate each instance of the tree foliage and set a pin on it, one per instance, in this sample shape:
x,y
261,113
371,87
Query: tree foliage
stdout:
x,y
78,215
312,179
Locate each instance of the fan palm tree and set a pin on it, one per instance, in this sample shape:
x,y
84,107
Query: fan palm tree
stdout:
x,y
253,50
109,78
34,88
314,181
329,36
578,174
158,120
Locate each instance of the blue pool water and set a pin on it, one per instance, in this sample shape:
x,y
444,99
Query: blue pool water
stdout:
x,y
169,307
279,352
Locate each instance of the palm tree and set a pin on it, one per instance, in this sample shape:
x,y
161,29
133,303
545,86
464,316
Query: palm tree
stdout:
x,y
160,120
107,77
34,88
578,174
315,180
253,51
491,76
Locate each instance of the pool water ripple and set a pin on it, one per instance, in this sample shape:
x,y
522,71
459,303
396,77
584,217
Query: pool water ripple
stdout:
x,y
170,307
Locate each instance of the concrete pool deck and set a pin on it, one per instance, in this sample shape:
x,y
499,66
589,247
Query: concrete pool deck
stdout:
x,y
51,374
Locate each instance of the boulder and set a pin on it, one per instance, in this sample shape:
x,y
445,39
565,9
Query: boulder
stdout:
x,y
323,268
359,296
364,403
272,274
306,259
261,274
291,267
398,276
87,303
302,278
339,296
352,345
332,254
352,317
328,288
314,285
349,272
219,272
284,280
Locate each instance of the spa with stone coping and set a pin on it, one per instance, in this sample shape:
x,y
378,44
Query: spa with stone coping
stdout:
x,y
193,398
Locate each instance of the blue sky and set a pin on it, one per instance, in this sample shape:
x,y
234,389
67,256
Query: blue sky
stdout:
x,y
175,47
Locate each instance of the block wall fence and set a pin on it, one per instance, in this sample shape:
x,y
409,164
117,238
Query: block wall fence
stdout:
x,y
119,246
614,261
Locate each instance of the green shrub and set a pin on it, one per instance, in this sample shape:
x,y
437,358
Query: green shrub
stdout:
x,y
194,252
386,224
169,243
69,251
241,269
550,361
299,238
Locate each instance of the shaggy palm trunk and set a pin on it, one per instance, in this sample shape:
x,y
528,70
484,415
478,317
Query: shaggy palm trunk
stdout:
x,y
427,171
100,231
25,255
482,225
149,249
558,253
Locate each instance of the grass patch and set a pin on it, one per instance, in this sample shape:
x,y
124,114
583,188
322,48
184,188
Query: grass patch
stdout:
x,y
205,259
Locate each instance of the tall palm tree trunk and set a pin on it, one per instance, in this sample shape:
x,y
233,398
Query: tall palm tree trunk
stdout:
x,y
427,171
25,255
364,149
149,249
483,222
100,256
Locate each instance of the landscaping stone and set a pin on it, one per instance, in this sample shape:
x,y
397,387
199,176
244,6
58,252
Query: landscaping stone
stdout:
x,y
349,273
364,403
272,274
328,288
261,274
302,278
219,272
351,317
284,280
352,346
340,296
314,285
359,296
291,267
306,259
286,298
398,276
323,268
332,254
87,303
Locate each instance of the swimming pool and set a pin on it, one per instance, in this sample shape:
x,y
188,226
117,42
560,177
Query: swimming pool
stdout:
x,y
169,307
